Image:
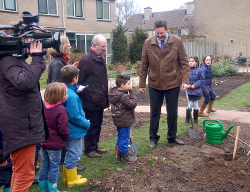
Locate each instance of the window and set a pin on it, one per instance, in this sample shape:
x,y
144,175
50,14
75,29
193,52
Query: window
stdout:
x,y
103,9
47,7
8,5
74,8
84,42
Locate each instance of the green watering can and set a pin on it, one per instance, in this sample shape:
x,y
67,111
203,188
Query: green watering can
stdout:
x,y
214,131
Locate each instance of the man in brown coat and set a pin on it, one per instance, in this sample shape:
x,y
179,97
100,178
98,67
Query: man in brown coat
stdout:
x,y
164,61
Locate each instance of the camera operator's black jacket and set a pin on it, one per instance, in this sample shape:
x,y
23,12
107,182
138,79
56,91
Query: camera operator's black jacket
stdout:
x,y
21,117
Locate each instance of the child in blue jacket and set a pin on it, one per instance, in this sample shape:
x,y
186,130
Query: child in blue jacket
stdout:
x,y
196,83
78,126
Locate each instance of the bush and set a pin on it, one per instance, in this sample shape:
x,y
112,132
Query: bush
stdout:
x,y
224,68
113,74
74,57
110,66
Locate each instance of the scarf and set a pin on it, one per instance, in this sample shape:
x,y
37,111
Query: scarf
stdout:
x,y
66,58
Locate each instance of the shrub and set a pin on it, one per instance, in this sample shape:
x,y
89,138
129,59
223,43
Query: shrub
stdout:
x,y
113,74
224,68
110,66
74,57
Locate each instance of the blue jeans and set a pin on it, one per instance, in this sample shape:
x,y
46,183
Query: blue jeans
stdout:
x,y
50,165
123,138
74,153
210,97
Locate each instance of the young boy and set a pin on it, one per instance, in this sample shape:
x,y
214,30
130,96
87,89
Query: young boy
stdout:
x,y
78,126
123,102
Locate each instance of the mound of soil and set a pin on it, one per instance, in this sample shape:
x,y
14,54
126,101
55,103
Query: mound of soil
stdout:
x,y
196,166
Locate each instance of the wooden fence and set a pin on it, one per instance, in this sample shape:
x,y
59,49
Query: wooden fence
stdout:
x,y
200,49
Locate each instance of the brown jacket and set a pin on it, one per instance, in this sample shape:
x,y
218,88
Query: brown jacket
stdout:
x,y
167,69
122,106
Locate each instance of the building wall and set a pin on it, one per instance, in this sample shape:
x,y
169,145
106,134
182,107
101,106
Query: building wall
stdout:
x,y
227,23
88,24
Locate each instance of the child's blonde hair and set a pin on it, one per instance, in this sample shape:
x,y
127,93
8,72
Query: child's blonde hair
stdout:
x,y
55,92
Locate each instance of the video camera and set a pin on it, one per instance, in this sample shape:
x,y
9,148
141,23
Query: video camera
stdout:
x,y
27,28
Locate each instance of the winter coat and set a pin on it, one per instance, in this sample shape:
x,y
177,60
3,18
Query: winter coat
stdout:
x,y
122,106
54,69
3,157
78,124
93,72
21,107
208,74
165,69
197,79
58,125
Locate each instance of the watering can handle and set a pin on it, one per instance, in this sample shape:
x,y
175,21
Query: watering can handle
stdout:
x,y
211,120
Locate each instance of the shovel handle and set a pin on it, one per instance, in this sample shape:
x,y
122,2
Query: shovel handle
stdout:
x,y
187,100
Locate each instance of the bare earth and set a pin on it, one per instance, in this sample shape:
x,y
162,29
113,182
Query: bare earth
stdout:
x,y
196,166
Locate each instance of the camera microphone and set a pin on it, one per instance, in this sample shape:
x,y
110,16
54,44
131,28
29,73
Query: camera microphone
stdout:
x,y
39,35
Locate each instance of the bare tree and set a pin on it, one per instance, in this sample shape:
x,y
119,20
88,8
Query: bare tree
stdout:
x,y
124,9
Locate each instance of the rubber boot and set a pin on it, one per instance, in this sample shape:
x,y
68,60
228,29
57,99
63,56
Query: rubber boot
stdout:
x,y
210,107
43,186
73,179
203,107
117,156
52,187
188,112
64,175
125,157
7,189
195,114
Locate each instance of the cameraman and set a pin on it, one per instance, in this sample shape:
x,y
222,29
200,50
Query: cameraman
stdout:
x,y
21,114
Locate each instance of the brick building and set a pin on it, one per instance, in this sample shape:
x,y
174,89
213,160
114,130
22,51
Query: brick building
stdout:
x,y
80,20
226,22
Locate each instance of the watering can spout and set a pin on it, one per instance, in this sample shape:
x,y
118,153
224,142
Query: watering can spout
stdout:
x,y
227,131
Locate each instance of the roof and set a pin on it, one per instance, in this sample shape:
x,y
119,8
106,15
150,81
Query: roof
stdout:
x,y
175,19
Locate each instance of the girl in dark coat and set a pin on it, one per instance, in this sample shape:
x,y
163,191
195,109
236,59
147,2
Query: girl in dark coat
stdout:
x,y
57,120
196,82
208,91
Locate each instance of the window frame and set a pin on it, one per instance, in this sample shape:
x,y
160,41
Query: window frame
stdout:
x,y
74,11
47,7
3,4
103,11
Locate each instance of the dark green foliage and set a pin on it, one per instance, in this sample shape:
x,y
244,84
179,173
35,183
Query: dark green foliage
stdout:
x,y
135,48
224,68
119,45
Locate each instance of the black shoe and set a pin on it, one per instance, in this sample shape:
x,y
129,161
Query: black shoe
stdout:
x,y
80,168
176,141
152,144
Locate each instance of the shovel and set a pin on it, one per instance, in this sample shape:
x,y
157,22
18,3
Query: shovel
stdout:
x,y
132,147
193,132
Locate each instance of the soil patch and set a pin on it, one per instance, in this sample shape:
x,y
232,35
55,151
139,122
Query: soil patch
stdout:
x,y
196,166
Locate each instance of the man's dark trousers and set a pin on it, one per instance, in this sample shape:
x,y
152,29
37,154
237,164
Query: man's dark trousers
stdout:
x,y
156,100
92,137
